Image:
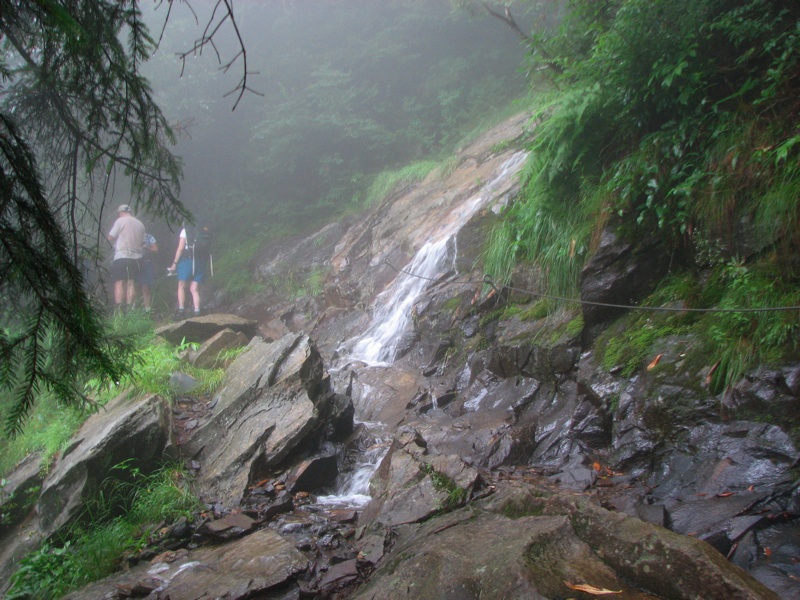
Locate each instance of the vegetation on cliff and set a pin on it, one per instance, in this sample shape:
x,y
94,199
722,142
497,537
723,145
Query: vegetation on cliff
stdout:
x,y
677,120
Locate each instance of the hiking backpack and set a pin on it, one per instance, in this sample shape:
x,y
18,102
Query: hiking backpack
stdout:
x,y
201,238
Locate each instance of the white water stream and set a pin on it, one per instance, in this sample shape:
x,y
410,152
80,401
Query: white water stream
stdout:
x,y
392,312
378,345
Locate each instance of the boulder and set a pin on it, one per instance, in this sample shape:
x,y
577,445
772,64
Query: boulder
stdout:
x,y
246,568
619,273
19,491
528,541
126,429
313,474
207,355
269,405
199,329
18,532
410,486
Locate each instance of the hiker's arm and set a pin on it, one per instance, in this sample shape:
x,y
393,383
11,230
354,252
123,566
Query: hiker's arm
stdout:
x,y
181,246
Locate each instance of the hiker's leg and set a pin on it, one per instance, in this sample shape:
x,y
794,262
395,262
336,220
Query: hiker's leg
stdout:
x,y
147,297
195,290
131,292
181,294
146,281
119,274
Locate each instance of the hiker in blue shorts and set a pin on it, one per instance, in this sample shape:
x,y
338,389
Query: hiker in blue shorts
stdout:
x,y
189,271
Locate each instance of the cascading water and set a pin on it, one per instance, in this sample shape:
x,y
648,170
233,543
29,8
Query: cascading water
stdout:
x,y
353,489
378,345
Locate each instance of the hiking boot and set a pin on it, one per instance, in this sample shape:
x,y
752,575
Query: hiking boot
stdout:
x,y
180,314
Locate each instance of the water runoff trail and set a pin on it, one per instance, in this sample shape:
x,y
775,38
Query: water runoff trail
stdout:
x,y
377,346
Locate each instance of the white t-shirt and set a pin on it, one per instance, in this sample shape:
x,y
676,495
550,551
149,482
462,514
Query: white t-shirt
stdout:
x,y
128,233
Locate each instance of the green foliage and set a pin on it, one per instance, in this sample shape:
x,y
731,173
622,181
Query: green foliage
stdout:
x,y
575,326
549,233
733,342
538,310
441,482
340,108
668,119
127,505
52,423
74,107
387,182
45,574
632,347
500,255
741,340
296,285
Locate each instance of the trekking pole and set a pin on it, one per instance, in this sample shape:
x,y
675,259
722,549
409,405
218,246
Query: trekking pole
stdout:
x,y
211,263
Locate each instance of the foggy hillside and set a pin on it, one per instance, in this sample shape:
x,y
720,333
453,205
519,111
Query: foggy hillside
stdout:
x,y
340,91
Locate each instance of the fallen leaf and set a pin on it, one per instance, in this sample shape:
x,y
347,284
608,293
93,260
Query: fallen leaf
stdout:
x,y
751,488
767,552
596,466
724,494
590,589
654,362
732,550
711,372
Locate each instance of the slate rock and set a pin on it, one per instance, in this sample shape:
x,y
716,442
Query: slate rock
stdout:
x,y
200,329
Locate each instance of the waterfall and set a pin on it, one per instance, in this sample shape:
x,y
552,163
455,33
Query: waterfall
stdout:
x,y
378,345
393,309
352,489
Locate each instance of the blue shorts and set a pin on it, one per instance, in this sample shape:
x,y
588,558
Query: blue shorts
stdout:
x,y
147,273
185,270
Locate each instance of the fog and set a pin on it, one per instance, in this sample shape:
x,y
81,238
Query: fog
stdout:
x,y
340,90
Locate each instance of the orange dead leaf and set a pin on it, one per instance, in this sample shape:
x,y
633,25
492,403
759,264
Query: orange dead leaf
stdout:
x,y
654,362
597,466
767,552
724,494
732,550
590,589
751,488
711,372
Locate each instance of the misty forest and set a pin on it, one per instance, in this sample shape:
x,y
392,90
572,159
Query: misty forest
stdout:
x,y
501,299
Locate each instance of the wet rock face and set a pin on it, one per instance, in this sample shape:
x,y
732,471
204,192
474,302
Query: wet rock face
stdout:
x,y
127,429
269,407
530,541
200,329
619,273
248,568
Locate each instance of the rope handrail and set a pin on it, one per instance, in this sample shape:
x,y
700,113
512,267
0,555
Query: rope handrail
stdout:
x,y
487,279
